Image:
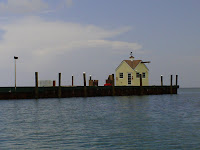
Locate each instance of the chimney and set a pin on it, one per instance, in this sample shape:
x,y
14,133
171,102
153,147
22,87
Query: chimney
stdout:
x,y
131,58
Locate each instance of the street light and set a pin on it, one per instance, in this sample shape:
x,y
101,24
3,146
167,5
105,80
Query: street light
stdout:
x,y
15,58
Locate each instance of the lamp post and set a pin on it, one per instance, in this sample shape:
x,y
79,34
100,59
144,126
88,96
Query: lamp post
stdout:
x,y
15,58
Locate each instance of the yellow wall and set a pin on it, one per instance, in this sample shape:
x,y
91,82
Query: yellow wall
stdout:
x,y
125,69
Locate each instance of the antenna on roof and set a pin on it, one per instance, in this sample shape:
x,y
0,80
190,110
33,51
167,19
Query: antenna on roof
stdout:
x,y
131,53
131,57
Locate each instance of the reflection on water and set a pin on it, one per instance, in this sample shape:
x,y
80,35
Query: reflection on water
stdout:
x,y
129,122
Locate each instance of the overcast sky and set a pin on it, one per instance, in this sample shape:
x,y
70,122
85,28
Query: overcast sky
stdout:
x,y
94,36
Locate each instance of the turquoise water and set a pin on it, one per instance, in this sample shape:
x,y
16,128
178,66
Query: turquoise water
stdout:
x,y
105,123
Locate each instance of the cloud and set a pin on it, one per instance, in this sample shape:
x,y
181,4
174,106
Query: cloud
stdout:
x,y
44,45
114,45
43,38
68,2
22,6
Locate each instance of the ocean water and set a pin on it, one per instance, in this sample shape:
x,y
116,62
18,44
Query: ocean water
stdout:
x,y
104,123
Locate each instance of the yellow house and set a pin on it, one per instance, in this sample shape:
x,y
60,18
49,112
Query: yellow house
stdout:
x,y
128,73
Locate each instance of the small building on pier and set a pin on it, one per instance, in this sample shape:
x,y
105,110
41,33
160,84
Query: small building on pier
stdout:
x,y
128,72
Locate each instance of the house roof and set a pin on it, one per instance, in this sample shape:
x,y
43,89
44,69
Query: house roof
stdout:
x,y
133,64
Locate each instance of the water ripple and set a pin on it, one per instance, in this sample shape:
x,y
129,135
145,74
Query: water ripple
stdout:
x,y
130,122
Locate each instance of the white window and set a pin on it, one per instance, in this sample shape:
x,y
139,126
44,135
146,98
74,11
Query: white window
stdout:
x,y
121,75
137,75
143,75
129,78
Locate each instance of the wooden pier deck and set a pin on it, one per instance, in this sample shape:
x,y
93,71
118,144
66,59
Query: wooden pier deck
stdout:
x,y
82,91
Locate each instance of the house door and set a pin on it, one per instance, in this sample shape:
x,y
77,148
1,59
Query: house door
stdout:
x,y
129,78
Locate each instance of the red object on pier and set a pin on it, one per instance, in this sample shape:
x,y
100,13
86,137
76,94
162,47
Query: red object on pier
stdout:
x,y
107,84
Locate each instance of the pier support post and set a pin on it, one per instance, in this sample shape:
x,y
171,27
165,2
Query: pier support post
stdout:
x,y
171,84
91,82
72,80
141,88
59,86
36,85
84,80
161,77
140,80
176,80
90,77
113,85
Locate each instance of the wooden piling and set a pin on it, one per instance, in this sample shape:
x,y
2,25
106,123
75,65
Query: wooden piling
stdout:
x,y
90,77
59,86
141,88
84,79
85,88
161,77
171,84
72,80
140,80
36,85
113,85
91,81
176,80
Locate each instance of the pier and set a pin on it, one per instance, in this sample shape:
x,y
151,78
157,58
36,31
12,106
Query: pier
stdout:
x,y
81,91
93,90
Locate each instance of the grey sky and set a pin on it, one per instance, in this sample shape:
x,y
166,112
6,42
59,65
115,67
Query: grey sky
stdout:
x,y
73,36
